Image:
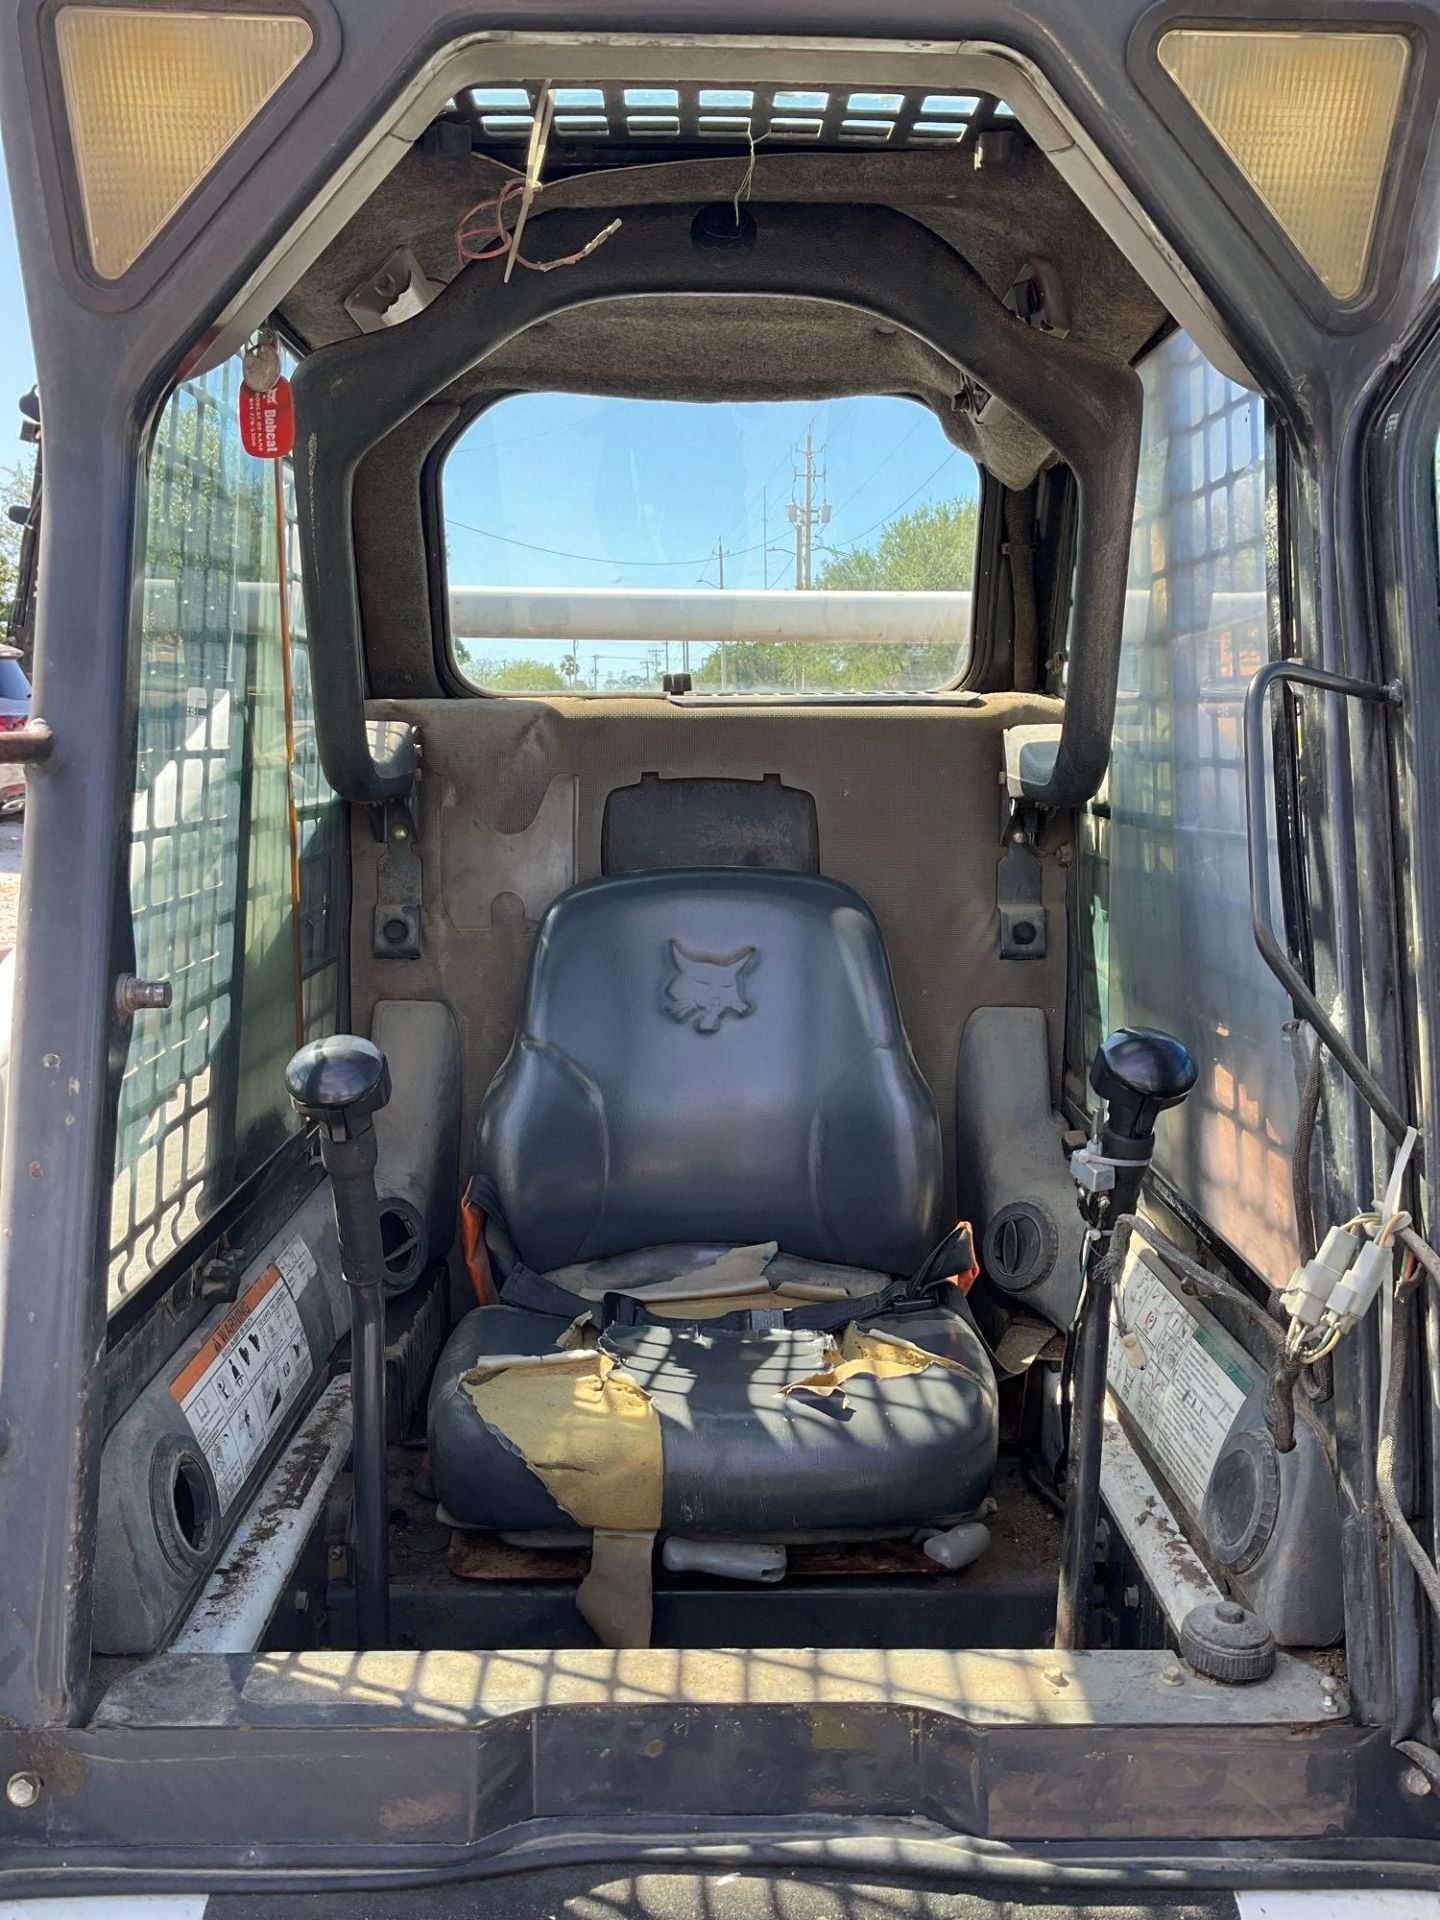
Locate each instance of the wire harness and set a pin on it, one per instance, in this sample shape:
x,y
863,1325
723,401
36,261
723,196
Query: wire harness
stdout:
x,y
493,228
1334,1291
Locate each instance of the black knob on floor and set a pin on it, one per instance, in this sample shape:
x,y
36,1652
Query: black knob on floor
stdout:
x,y
1226,1642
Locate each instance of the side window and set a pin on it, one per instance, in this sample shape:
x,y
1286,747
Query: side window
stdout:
x,y
238,863
1165,877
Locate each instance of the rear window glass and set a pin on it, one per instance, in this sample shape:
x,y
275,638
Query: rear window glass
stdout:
x,y
13,684
596,545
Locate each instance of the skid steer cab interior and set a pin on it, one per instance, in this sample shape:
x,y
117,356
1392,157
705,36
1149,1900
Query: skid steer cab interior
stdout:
x,y
724,1010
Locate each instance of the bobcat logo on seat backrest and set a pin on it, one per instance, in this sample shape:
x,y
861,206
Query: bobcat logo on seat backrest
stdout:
x,y
702,990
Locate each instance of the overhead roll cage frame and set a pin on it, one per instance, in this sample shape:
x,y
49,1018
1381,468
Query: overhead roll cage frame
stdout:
x,y
350,395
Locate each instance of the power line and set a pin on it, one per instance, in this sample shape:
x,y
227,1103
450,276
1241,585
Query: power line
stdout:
x,y
595,559
541,433
923,414
697,560
857,538
786,456
884,461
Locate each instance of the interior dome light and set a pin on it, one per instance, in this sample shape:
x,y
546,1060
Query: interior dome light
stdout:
x,y
1309,118
153,100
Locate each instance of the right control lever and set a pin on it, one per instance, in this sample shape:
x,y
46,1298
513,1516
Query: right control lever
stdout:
x,y
1138,1073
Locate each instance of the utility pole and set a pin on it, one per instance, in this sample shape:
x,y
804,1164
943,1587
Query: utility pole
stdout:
x,y
806,514
802,520
724,657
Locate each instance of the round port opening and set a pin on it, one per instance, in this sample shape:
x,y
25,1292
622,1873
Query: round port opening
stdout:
x,y
190,1500
402,1242
724,229
184,1506
1242,1502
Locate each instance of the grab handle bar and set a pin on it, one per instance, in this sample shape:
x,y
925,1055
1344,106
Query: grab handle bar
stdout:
x,y
1288,673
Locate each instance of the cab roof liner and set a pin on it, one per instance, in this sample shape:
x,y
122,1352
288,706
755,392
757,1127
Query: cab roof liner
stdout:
x,y
1000,218
868,259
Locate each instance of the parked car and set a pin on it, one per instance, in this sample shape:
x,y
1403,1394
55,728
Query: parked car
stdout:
x,y
14,713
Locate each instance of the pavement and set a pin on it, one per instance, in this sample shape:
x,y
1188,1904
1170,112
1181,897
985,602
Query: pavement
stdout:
x,y
12,845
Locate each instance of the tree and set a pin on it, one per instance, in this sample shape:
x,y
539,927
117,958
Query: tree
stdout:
x,y
15,487
513,676
930,550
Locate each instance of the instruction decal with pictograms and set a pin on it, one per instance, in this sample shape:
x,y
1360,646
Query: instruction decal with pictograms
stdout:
x,y
238,1389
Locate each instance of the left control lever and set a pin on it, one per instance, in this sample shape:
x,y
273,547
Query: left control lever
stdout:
x,y
340,1084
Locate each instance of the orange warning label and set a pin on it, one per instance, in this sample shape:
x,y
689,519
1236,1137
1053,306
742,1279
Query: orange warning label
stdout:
x,y
236,1390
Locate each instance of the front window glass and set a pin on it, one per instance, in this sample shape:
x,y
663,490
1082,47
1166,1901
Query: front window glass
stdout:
x,y
237,860
1164,844
596,545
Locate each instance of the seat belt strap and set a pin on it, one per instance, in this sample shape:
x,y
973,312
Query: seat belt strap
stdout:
x,y
823,1316
951,1258
477,1258
511,1281
616,1597
521,1286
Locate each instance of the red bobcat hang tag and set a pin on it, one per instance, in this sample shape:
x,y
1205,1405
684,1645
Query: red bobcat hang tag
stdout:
x,y
267,421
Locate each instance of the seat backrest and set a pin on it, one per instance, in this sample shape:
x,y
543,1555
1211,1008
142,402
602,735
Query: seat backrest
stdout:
x,y
712,1054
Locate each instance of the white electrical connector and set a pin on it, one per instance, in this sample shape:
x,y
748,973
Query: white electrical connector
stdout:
x,y
1312,1285
1358,1287
1354,1267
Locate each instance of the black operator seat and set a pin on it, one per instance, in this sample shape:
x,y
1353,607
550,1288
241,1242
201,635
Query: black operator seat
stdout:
x,y
710,1164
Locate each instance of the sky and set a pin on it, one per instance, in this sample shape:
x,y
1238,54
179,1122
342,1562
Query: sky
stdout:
x,y
570,490
643,493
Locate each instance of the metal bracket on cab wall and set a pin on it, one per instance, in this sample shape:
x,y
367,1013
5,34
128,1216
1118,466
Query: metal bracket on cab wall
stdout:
x,y
1018,898
399,884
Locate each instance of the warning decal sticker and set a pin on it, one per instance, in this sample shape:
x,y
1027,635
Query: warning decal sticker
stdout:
x,y
237,1390
1185,1398
297,1264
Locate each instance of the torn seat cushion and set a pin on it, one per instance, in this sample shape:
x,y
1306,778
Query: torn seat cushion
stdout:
x,y
757,1433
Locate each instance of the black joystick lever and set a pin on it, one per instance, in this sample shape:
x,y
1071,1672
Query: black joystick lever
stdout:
x,y
1138,1073
341,1084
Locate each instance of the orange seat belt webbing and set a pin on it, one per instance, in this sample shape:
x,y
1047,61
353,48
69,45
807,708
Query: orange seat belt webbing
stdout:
x,y
477,1258
967,1276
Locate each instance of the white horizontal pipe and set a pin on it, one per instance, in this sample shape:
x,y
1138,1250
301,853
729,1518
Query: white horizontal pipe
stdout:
x,y
657,614
701,614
